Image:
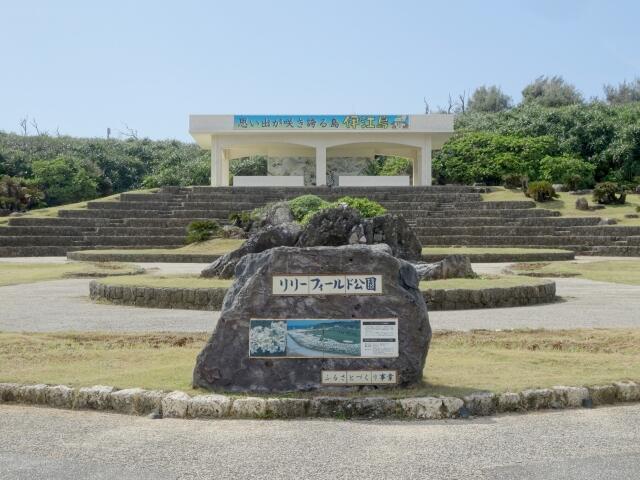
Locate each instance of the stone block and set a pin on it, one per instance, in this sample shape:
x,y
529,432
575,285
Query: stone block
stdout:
x,y
570,397
452,406
175,404
287,407
249,407
603,394
328,406
60,396
370,407
209,406
537,399
9,392
628,391
35,394
123,401
481,404
97,397
509,402
148,401
422,408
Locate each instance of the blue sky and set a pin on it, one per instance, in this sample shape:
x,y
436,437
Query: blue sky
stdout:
x,y
82,66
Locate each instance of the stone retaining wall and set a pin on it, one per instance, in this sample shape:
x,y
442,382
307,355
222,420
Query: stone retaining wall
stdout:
x,y
142,257
177,404
498,257
211,298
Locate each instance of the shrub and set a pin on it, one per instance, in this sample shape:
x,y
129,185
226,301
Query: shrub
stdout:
x,y
396,166
572,172
367,208
514,180
487,157
18,194
66,180
241,219
608,193
248,166
305,204
201,230
541,191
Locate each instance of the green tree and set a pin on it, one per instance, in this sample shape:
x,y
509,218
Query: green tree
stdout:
x,y
551,92
623,93
570,171
65,180
489,157
489,99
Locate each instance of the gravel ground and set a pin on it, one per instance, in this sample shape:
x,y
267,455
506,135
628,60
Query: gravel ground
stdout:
x,y
41,443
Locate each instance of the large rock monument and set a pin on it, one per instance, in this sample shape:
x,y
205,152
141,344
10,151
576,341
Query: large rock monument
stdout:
x,y
320,318
339,225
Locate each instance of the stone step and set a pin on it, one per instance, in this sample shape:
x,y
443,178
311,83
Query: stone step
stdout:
x,y
513,241
87,240
501,221
35,251
332,190
527,230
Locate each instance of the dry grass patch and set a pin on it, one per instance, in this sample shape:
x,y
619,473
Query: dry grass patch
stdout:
x,y
18,273
458,362
566,205
615,271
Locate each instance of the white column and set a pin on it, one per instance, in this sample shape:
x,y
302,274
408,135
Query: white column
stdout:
x,y
224,167
216,162
425,163
417,167
321,165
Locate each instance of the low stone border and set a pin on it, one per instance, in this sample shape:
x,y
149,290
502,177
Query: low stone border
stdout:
x,y
142,257
211,298
497,257
177,404
505,257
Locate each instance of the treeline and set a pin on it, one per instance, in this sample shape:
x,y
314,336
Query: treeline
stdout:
x,y
43,170
553,135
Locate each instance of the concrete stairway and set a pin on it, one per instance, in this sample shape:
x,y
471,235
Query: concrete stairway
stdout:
x,y
441,215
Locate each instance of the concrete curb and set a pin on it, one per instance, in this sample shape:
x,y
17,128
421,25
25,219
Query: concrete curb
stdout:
x,y
211,298
177,404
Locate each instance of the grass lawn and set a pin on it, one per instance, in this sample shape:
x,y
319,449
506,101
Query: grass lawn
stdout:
x,y
194,281
17,273
615,271
458,362
216,246
53,211
168,281
566,205
483,250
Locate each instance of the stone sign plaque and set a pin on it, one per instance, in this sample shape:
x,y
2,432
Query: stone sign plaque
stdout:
x,y
327,284
271,340
323,338
359,377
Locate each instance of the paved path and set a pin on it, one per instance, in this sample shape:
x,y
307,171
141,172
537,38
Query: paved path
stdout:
x,y
41,443
62,305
